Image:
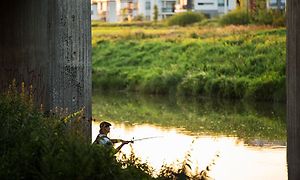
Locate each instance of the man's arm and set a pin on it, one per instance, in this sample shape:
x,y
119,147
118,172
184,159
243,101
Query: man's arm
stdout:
x,y
121,145
116,140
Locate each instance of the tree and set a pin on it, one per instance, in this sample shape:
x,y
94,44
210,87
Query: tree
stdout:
x,y
189,5
155,13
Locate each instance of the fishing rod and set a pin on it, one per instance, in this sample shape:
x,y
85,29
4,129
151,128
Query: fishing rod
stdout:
x,y
141,139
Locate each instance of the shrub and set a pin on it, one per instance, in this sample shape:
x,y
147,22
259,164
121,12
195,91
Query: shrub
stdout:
x,y
138,18
272,17
263,17
37,147
185,18
236,17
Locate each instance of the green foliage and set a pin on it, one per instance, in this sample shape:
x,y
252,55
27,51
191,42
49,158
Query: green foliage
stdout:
x,y
234,65
155,13
138,18
36,147
269,17
185,18
236,17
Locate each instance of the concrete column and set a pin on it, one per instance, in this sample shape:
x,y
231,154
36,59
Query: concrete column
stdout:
x,y
293,88
70,55
47,44
24,46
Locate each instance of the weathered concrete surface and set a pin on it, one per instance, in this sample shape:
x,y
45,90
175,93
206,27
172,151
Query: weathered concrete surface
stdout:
x,y
47,44
293,89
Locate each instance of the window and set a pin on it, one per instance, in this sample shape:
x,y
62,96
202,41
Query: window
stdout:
x,y
220,2
148,5
202,4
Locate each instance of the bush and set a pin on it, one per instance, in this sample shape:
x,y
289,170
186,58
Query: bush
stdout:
x,y
236,17
263,17
138,18
37,147
272,17
185,18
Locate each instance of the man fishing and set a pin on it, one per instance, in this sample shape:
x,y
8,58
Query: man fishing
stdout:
x,y
106,141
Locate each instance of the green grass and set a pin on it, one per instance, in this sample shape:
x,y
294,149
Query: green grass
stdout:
x,y
234,62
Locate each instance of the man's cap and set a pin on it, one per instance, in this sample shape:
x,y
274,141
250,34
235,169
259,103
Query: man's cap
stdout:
x,y
104,124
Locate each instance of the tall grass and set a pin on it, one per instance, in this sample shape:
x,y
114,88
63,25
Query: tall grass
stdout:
x,y
233,64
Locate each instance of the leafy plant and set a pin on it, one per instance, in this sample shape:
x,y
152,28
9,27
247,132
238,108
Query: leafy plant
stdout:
x,y
236,17
185,18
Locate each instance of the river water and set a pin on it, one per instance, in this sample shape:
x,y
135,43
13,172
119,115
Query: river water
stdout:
x,y
234,140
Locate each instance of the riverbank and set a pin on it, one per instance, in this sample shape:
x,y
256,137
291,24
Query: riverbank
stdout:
x,y
240,62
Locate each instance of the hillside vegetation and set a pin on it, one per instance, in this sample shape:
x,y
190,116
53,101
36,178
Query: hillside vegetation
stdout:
x,y
231,61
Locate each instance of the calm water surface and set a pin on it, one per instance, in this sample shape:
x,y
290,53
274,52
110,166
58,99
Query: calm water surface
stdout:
x,y
236,140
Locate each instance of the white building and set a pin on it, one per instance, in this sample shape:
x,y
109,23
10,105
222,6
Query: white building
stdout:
x,y
208,7
126,10
106,10
94,11
166,8
275,4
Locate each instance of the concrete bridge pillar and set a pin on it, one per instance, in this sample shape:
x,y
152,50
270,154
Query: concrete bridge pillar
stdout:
x,y
293,88
47,44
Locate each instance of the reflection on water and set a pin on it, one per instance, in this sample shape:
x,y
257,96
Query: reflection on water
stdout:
x,y
250,138
235,160
264,121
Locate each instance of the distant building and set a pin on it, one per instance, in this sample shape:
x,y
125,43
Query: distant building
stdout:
x,y
127,10
105,10
94,11
210,8
166,8
276,4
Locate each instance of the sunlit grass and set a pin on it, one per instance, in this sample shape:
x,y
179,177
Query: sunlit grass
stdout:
x,y
164,32
228,62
